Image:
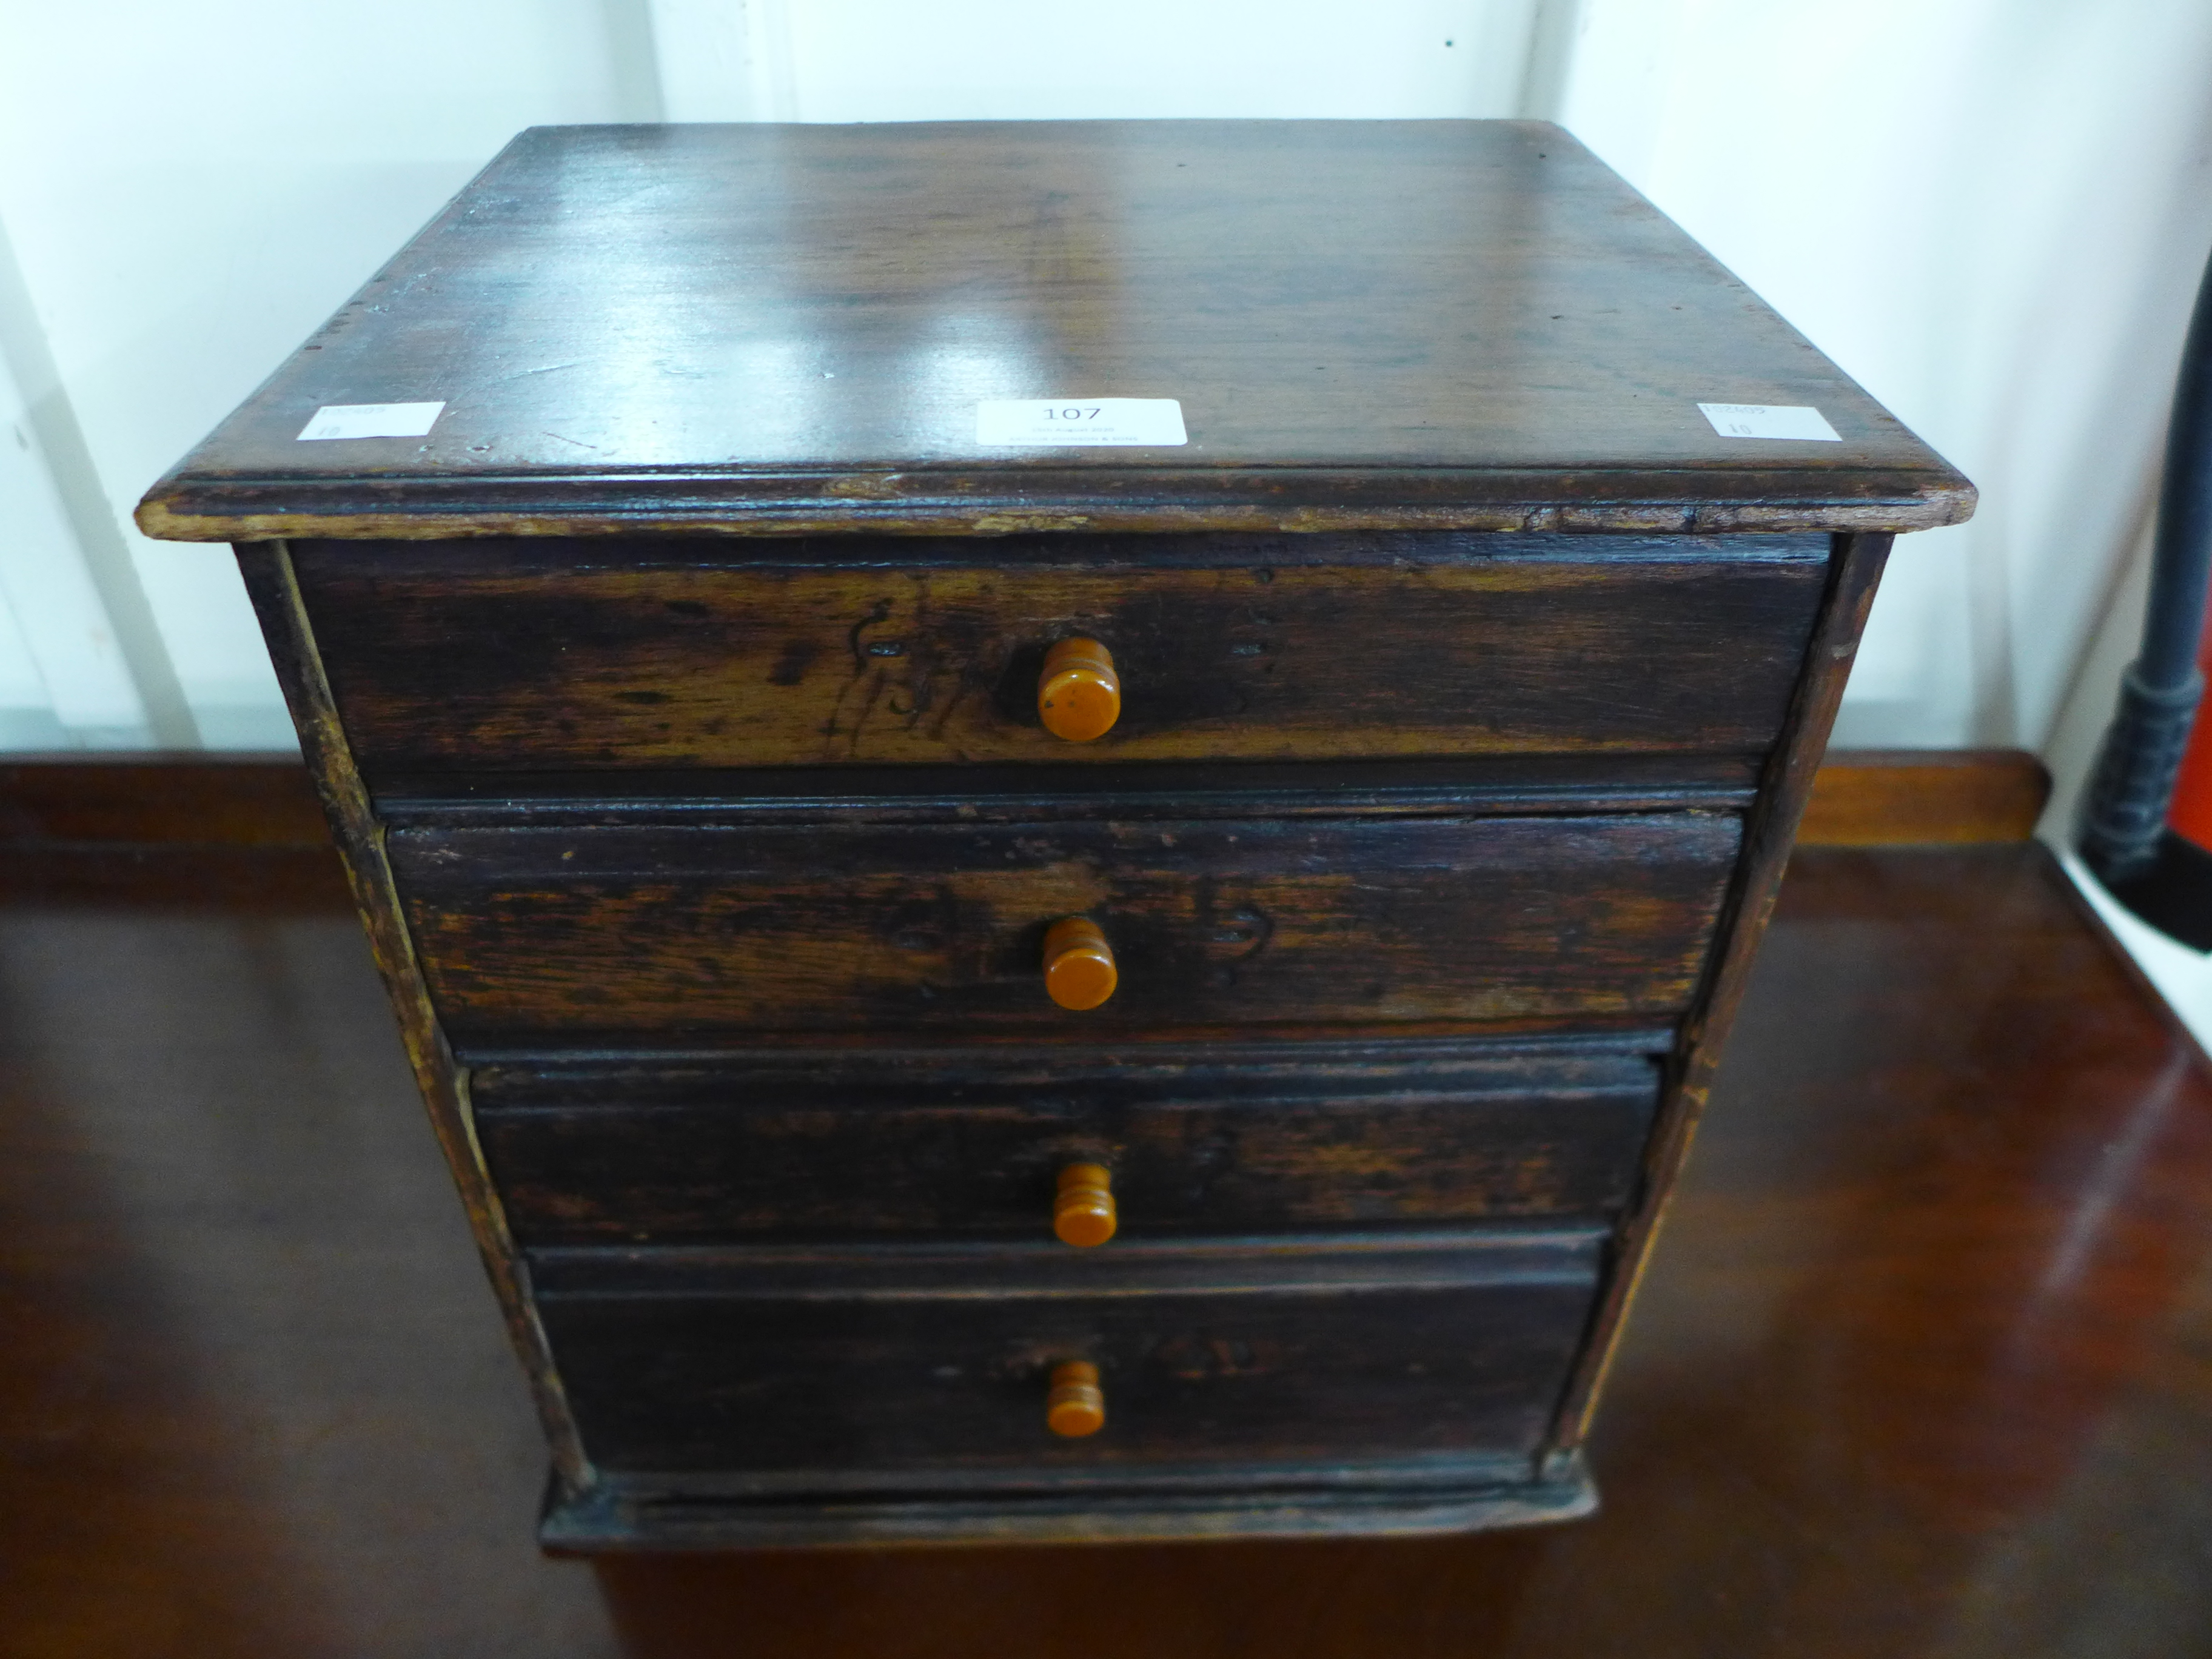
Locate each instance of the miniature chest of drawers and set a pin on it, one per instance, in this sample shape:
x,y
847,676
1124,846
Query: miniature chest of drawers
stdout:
x,y
985,976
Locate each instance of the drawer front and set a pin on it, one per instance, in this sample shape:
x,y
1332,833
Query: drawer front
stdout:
x,y
971,1144
596,934
914,1363
448,657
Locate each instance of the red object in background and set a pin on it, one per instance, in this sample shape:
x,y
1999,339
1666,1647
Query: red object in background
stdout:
x,y
2173,891
2190,814
2145,830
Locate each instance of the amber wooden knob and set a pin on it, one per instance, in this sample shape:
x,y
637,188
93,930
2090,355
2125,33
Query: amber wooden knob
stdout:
x,y
1079,963
1079,693
1077,1405
1083,1212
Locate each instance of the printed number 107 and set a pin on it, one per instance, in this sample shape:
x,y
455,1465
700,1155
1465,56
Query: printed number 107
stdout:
x,y
1072,414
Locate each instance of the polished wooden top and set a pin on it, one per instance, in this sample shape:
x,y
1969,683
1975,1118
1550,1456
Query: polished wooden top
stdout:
x,y
1367,325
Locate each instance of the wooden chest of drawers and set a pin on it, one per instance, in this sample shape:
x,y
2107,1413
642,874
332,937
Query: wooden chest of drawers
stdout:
x,y
1060,988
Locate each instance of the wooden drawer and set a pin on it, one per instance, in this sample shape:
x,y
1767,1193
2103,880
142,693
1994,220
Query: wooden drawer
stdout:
x,y
511,656
861,1370
675,699
579,936
969,1144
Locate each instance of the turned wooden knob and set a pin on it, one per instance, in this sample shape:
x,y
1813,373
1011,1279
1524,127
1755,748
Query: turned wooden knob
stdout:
x,y
1079,963
1079,693
1077,1405
1083,1212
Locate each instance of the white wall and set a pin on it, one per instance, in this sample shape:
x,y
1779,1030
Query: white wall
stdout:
x,y
185,192
1017,60
1992,212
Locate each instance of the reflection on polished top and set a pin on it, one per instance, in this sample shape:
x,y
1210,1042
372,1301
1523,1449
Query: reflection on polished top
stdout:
x,y
1366,326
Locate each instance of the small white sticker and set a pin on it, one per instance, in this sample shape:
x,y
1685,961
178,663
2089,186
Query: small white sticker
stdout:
x,y
371,421
1025,423
1799,421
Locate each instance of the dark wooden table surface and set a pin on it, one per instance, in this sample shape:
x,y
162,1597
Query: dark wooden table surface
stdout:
x,y
1925,1366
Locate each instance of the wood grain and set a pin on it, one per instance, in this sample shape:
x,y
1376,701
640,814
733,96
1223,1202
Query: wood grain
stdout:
x,y
635,655
569,937
1347,601
887,1372
1924,797
1199,1143
1369,325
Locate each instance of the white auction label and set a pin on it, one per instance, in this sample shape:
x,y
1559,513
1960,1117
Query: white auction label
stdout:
x,y
1021,422
1799,421
371,421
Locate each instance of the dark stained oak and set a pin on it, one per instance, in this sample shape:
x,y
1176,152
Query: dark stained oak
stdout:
x,y
860,1145
1919,1366
565,937
510,657
705,501
1369,325
734,1373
